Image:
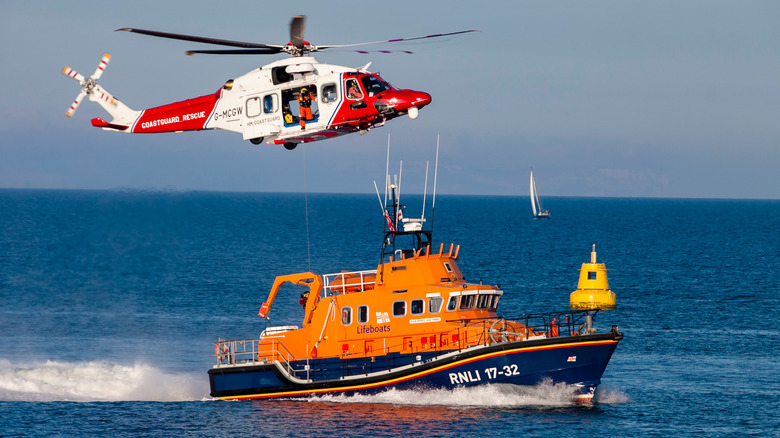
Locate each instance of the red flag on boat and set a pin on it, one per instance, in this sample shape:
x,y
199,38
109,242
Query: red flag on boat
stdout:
x,y
389,221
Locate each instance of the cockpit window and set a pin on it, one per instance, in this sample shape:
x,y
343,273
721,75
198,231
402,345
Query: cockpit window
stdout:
x,y
353,90
374,85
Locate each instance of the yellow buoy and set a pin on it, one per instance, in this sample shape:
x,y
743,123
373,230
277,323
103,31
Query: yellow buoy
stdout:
x,y
593,288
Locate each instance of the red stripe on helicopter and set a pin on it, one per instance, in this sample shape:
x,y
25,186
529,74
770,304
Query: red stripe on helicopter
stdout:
x,y
187,115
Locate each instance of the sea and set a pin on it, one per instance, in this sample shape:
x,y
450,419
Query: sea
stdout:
x,y
110,302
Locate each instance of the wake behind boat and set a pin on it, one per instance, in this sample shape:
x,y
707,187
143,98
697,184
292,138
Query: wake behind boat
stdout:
x,y
536,203
413,322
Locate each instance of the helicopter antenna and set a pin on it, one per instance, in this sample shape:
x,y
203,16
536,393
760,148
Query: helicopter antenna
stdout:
x,y
435,174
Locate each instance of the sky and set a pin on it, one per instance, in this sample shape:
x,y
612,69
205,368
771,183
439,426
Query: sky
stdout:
x,y
662,99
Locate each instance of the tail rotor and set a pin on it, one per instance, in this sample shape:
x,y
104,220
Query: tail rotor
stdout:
x,y
87,84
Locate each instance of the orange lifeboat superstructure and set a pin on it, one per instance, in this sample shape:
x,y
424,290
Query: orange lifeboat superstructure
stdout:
x,y
413,321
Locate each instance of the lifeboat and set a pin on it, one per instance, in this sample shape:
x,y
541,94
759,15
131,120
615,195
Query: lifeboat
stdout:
x,y
413,322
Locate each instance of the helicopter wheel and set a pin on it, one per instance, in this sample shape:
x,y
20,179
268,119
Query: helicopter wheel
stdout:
x,y
290,146
258,140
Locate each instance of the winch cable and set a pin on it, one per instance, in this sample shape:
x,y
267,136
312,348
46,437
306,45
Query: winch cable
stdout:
x,y
306,207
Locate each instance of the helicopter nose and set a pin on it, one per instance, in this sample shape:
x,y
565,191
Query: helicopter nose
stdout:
x,y
420,99
412,99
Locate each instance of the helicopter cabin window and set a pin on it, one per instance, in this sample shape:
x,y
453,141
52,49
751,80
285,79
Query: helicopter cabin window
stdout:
x,y
452,304
399,308
253,107
270,104
353,89
362,317
467,302
494,302
346,315
374,85
483,300
329,93
434,304
417,307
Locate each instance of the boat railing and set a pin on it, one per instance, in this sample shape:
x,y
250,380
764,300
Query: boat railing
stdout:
x,y
254,352
347,282
534,326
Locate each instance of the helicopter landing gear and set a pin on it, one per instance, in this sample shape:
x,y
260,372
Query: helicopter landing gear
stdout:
x,y
257,140
290,146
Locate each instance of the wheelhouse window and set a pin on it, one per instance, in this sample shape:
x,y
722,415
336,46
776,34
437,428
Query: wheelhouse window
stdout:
x,y
374,85
452,304
362,316
417,307
434,304
591,275
467,302
483,301
399,308
494,302
346,315
447,267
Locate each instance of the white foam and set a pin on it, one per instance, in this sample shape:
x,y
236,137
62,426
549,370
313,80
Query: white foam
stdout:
x,y
97,381
610,396
542,395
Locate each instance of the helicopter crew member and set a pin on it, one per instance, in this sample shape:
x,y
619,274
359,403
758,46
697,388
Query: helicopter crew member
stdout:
x,y
304,102
354,91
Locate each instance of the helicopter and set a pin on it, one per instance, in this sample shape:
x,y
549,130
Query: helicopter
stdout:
x,y
288,102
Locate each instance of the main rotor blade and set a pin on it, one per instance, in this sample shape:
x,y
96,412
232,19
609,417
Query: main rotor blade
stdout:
x,y
397,40
235,52
296,30
197,39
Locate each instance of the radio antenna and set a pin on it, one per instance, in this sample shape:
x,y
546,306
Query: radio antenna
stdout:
x,y
425,189
387,170
435,175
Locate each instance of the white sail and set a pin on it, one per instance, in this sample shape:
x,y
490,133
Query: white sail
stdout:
x,y
533,193
536,203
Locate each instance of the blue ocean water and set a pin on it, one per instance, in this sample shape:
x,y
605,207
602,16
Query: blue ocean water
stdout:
x,y
110,300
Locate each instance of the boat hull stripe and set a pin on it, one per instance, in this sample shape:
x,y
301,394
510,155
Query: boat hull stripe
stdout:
x,y
416,375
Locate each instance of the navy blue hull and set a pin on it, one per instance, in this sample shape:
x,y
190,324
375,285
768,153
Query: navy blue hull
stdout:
x,y
576,360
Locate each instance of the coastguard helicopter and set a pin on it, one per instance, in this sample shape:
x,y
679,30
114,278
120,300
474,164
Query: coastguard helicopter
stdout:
x,y
288,102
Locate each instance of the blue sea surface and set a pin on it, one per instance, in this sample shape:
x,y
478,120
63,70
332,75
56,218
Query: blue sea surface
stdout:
x,y
110,302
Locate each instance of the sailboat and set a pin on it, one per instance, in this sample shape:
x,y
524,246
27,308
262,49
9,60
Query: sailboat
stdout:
x,y
536,203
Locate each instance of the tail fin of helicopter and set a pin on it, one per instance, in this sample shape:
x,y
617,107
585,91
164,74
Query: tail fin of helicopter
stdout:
x,y
123,116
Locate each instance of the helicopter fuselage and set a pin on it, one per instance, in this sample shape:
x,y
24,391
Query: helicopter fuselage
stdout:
x,y
263,105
